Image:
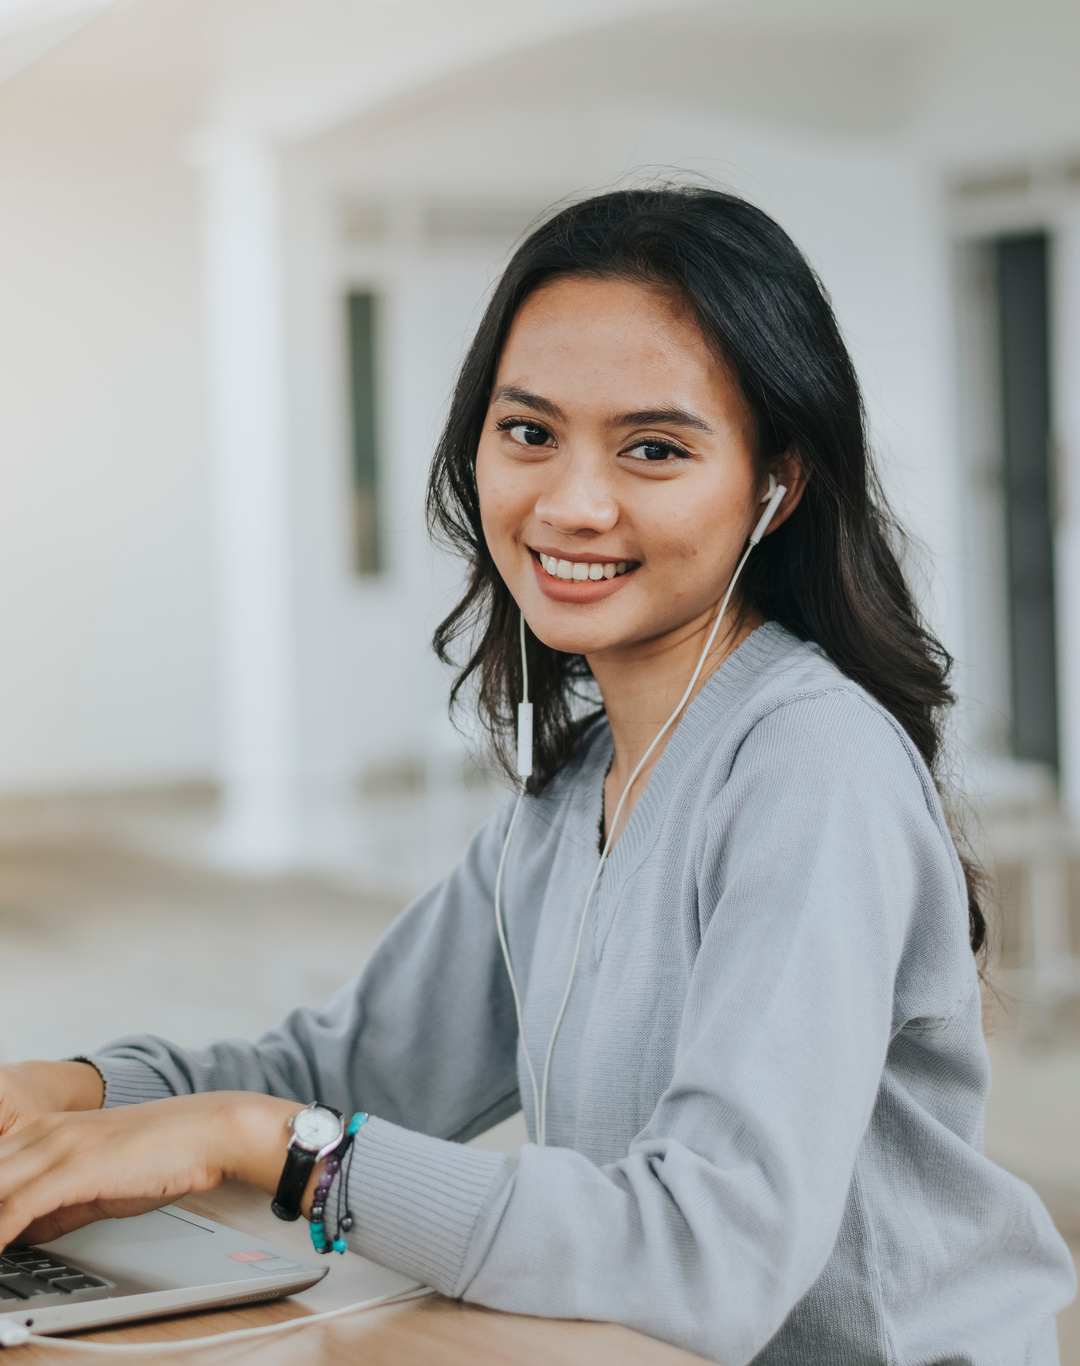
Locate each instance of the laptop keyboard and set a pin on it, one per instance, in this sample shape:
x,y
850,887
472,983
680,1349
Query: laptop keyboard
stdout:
x,y
26,1273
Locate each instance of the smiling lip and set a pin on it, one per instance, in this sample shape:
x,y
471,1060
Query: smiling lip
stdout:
x,y
580,590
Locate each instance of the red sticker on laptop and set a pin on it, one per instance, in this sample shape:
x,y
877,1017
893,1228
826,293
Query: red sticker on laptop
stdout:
x,y
252,1256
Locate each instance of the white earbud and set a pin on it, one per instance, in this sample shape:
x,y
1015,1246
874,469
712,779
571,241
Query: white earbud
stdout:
x,y
774,498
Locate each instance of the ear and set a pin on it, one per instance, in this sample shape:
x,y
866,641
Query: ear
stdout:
x,y
790,471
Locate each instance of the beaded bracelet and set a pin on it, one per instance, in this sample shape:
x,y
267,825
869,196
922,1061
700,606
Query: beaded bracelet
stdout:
x,y
341,1157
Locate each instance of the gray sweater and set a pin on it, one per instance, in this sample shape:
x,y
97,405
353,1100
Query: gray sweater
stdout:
x,y
766,1103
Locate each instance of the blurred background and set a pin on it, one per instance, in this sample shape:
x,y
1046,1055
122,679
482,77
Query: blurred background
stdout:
x,y
243,244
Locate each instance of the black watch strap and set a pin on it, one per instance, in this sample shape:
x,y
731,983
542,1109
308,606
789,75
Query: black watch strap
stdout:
x,y
299,1163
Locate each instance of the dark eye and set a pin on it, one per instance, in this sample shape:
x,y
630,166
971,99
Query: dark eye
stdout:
x,y
528,433
653,450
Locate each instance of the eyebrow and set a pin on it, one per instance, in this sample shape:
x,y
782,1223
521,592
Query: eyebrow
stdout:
x,y
644,417
666,417
510,393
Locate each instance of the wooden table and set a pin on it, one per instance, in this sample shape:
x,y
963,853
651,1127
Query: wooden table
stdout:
x,y
427,1332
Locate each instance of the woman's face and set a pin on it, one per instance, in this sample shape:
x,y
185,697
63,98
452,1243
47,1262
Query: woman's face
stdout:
x,y
616,470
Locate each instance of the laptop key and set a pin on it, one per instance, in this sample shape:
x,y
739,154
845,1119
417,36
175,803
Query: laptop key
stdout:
x,y
26,1287
77,1282
51,1272
6,1294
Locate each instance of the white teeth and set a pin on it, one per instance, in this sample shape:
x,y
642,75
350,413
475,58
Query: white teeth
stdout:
x,y
577,571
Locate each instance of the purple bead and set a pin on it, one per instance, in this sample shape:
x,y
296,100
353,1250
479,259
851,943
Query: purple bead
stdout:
x,y
333,1166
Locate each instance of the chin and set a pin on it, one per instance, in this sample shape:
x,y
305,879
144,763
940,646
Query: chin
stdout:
x,y
573,638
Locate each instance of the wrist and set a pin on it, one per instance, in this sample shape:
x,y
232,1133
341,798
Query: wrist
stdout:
x,y
257,1136
63,1085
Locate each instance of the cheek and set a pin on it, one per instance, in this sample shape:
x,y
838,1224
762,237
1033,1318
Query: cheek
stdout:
x,y
699,534
687,534
500,497
487,491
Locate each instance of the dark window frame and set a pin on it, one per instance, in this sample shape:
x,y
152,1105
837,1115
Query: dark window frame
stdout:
x,y
1023,281
363,309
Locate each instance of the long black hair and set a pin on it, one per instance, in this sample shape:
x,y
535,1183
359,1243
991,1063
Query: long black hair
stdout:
x,y
830,573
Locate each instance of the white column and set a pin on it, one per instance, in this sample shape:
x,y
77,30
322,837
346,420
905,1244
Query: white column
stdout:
x,y
1066,398
254,549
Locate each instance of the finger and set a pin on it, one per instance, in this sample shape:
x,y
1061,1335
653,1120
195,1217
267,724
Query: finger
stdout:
x,y
79,1178
71,1217
59,1222
45,1200
39,1148
46,1189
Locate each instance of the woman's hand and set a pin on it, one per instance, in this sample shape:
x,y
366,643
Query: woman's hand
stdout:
x,y
29,1090
62,1170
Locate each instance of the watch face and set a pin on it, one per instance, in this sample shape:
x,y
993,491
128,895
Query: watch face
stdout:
x,y
314,1128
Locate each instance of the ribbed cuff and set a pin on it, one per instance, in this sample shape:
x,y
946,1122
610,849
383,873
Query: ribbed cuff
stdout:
x,y
127,1081
416,1200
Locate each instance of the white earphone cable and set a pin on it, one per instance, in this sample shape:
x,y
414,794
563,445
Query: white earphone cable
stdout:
x,y
21,1336
774,497
524,660
542,1127
524,768
501,929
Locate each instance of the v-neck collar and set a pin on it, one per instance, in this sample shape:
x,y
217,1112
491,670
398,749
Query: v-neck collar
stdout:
x,y
726,685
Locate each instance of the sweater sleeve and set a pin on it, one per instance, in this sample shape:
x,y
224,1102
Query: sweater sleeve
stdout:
x,y
382,1043
724,1210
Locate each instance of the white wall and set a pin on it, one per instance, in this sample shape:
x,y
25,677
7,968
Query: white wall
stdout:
x,y
369,687
105,581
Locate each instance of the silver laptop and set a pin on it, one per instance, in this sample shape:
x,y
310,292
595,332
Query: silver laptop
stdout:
x,y
164,1262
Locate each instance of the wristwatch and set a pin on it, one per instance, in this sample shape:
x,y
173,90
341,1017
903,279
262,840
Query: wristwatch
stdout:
x,y
316,1131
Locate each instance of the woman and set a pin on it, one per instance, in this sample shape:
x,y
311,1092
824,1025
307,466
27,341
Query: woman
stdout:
x,y
760,1127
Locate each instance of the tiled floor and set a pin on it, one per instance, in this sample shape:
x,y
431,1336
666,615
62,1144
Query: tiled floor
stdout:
x,y
100,935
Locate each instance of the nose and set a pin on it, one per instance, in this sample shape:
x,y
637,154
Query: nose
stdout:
x,y
579,498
